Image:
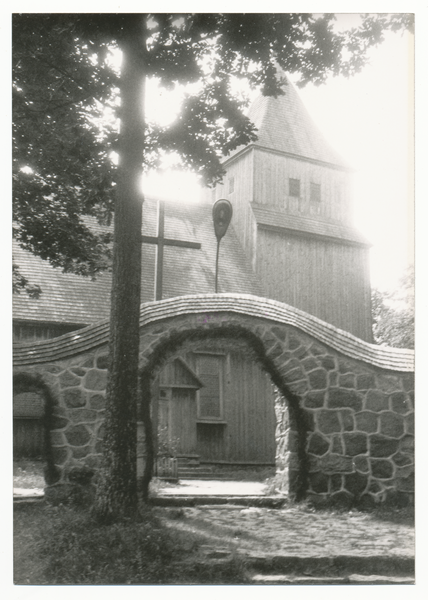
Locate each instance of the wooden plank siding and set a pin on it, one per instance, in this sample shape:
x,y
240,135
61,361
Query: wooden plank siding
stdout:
x,y
174,408
28,438
176,373
182,421
35,332
309,273
271,186
211,442
28,430
242,431
241,170
246,431
249,411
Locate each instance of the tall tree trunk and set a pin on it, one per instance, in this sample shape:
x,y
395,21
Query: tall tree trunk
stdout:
x,y
117,488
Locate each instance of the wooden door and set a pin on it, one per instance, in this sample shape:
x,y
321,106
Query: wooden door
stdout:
x,y
182,421
211,432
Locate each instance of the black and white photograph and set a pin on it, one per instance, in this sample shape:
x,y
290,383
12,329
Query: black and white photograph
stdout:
x,y
213,303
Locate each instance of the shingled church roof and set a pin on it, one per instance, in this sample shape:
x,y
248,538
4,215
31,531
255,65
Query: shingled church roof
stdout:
x,y
73,299
284,125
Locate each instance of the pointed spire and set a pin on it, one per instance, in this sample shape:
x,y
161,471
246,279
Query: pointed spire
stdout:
x,y
284,125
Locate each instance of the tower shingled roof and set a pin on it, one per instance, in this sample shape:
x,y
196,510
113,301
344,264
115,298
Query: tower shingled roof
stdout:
x,y
284,125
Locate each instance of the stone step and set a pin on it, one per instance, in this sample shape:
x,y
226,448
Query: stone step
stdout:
x,y
205,476
190,459
194,469
307,570
353,579
187,469
339,566
182,500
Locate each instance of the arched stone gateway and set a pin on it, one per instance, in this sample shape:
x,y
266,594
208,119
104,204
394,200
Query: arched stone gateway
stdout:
x,y
345,416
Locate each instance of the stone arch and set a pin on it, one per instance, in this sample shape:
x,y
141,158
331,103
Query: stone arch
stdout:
x,y
353,402
292,459
33,384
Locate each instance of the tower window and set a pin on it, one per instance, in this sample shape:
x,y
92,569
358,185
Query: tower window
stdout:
x,y
294,187
315,192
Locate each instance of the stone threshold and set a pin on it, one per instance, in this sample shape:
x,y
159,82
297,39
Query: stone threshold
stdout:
x,y
201,500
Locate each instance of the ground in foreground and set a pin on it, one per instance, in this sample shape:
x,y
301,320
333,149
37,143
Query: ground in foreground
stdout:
x,y
209,545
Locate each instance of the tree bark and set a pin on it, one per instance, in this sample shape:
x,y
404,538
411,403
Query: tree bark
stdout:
x,y
146,400
117,487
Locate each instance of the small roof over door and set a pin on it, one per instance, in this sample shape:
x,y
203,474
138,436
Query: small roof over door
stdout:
x,y
178,374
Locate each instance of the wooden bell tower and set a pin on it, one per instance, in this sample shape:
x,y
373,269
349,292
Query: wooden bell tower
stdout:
x,y
292,213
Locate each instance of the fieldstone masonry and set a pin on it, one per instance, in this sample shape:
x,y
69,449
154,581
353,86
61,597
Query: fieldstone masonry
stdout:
x,y
344,408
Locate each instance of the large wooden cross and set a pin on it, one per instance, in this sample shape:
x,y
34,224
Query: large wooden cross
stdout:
x,y
162,241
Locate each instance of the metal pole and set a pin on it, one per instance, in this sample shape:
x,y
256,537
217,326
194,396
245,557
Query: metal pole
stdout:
x,y
159,254
216,266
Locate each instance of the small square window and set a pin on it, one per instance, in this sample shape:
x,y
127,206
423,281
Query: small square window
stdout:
x,y
294,187
315,192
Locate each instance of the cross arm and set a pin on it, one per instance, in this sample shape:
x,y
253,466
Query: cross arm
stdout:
x,y
150,239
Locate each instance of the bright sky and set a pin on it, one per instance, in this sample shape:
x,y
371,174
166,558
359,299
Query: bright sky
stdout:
x,y
368,119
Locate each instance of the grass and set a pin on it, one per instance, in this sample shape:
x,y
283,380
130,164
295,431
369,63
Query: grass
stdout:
x,y
63,545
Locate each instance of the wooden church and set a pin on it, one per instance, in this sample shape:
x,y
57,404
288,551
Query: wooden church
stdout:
x,y
291,239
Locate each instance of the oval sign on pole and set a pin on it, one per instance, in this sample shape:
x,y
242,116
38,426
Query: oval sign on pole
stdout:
x,y
222,214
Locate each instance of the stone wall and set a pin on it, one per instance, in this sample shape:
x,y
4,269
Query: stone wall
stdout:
x,y
359,443
344,407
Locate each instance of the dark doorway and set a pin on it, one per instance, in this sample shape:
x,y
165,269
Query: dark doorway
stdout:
x,y
28,430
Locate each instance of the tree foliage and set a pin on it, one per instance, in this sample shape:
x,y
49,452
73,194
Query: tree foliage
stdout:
x,y
61,169
394,314
21,283
66,106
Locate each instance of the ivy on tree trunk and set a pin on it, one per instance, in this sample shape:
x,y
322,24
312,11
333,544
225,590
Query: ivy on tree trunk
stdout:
x,y
117,489
146,393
